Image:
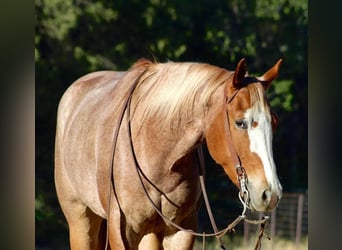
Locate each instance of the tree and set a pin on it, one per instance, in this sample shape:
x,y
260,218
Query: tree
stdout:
x,y
77,37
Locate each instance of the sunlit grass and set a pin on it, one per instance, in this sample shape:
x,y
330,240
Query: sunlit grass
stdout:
x,y
237,243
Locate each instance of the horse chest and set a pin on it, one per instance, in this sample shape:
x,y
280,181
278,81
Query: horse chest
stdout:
x,y
179,203
175,205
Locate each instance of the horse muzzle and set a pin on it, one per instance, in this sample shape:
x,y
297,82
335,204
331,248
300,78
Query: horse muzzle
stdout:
x,y
264,199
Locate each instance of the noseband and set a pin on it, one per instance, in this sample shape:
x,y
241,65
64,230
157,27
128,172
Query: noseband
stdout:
x,y
241,175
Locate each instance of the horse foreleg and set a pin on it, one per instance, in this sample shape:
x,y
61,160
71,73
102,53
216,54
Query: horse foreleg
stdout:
x,y
150,242
116,240
179,241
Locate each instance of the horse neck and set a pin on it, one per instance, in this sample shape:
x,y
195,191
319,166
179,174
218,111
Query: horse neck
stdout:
x,y
217,107
161,146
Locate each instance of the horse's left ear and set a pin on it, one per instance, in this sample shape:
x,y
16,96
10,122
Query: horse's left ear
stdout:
x,y
239,73
270,75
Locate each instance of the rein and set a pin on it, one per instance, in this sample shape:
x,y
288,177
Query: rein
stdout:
x,y
241,174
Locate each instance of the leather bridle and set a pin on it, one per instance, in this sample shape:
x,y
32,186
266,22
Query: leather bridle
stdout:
x,y
240,171
241,175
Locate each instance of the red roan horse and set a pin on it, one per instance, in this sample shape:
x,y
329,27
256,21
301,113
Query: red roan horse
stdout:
x,y
174,108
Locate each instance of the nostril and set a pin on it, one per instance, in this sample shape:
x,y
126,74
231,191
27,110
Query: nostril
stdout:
x,y
273,200
270,198
264,195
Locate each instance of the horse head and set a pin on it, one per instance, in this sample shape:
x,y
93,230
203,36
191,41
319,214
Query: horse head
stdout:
x,y
246,121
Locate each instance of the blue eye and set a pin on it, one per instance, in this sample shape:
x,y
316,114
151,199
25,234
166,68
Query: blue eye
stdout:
x,y
241,124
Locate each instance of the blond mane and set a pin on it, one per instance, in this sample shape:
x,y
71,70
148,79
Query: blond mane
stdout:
x,y
171,91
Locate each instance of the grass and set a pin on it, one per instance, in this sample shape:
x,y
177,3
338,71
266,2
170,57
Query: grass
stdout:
x,y
237,243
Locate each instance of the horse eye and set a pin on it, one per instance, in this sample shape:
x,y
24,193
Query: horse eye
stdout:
x,y
241,124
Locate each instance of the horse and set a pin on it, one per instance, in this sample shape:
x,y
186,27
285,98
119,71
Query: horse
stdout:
x,y
105,143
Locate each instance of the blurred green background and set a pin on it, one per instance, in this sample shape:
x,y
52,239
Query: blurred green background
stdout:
x,y
73,38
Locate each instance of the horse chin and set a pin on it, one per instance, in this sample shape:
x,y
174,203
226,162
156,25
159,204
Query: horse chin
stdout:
x,y
259,208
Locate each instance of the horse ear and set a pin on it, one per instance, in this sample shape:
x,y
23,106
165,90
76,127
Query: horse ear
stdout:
x,y
270,75
239,74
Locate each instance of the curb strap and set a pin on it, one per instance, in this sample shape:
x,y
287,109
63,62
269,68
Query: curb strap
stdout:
x,y
243,194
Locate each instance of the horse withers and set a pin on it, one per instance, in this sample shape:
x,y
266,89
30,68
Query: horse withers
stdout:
x,y
112,155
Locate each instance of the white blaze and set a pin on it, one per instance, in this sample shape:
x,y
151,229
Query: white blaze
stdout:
x,y
260,137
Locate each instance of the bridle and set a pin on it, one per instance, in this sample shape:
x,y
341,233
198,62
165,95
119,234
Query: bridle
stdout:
x,y
241,175
240,171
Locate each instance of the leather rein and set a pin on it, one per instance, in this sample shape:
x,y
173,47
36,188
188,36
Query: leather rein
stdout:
x,y
240,171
